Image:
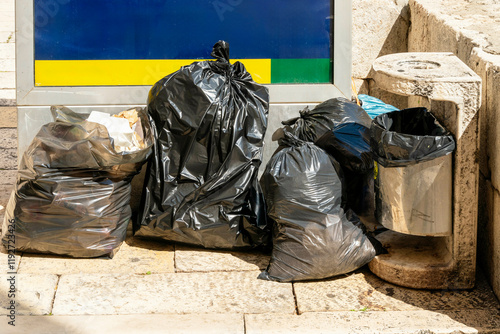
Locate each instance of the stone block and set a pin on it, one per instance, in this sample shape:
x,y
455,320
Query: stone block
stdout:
x,y
493,119
8,138
8,65
456,21
7,183
364,291
34,294
7,97
8,6
134,256
7,36
489,233
193,260
8,25
481,67
404,322
8,118
7,51
129,324
8,158
8,79
8,148
379,28
180,293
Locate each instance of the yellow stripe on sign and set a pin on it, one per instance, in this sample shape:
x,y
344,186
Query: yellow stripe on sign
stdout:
x,y
135,72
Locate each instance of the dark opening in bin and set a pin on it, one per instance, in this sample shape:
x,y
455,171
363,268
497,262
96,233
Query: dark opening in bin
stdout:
x,y
409,136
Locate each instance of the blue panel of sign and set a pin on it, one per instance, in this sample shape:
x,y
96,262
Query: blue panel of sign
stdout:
x,y
181,29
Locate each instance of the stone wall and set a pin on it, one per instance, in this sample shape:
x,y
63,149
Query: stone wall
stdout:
x,y
380,27
471,31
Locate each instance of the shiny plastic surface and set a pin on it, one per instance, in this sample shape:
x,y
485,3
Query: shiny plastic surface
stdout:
x,y
374,106
73,189
341,127
312,124
405,137
201,187
312,236
349,144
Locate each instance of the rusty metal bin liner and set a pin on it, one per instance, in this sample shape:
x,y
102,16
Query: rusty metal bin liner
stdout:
x,y
73,189
201,185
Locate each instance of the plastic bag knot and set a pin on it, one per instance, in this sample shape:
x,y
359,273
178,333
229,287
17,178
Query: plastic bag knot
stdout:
x,y
305,112
220,51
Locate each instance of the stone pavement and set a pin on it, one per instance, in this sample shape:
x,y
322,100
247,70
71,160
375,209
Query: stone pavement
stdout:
x,y
163,288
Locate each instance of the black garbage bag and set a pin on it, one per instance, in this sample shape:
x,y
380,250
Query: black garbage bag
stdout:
x,y
349,144
73,189
342,128
405,137
312,124
312,235
201,186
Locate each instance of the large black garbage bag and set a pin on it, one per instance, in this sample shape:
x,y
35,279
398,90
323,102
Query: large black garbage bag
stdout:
x,y
201,186
406,137
73,189
349,144
342,128
312,235
312,124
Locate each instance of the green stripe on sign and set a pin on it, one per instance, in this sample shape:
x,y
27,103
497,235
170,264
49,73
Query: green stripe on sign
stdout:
x,y
317,70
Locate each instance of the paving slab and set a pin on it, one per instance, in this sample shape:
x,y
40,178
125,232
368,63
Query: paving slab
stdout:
x,y
34,294
180,293
193,260
364,291
8,117
128,324
134,256
421,322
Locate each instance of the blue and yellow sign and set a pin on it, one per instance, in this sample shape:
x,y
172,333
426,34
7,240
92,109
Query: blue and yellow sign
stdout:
x,y
137,42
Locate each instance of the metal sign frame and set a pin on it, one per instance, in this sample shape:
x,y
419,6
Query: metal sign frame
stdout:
x,y
30,95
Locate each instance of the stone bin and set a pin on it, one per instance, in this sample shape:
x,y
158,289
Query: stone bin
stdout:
x,y
442,83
